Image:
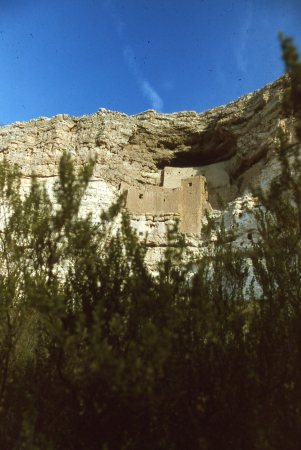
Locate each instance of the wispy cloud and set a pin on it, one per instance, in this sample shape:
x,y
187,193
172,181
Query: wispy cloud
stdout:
x,y
241,49
146,88
118,23
150,93
130,57
143,83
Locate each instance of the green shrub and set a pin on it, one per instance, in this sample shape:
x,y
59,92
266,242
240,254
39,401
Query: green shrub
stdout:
x,y
96,352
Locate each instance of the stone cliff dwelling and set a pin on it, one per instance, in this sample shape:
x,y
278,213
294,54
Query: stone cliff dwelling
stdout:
x,y
183,195
232,146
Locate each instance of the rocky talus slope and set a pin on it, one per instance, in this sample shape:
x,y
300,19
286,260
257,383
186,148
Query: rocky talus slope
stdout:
x,y
233,146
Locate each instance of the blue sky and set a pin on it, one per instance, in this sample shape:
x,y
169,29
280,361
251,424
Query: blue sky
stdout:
x,y
76,56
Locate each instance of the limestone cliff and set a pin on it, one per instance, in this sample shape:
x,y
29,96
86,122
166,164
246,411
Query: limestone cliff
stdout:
x,y
233,146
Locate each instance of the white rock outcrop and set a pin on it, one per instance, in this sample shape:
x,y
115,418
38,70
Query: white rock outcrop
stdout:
x,y
233,146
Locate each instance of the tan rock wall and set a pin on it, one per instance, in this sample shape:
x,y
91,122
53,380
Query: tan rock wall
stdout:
x,y
233,146
154,200
220,189
189,201
193,204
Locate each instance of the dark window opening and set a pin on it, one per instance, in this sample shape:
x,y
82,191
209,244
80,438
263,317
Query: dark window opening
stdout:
x,y
140,195
189,184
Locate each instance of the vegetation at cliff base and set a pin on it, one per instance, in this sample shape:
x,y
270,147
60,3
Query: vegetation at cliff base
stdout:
x,y
98,353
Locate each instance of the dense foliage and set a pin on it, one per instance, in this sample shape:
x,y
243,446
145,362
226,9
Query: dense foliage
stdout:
x,y
98,353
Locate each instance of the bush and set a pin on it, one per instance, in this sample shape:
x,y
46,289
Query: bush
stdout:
x,y
96,352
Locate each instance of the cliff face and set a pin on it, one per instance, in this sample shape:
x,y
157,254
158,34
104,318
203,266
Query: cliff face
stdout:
x,y
233,146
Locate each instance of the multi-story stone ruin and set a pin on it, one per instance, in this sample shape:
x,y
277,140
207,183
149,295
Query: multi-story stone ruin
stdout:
x,y
185,199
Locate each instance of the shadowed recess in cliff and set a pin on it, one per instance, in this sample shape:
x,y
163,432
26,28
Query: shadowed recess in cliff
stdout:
x,y
213,145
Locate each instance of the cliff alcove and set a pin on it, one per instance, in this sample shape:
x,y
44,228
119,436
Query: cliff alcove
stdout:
x,y
232,146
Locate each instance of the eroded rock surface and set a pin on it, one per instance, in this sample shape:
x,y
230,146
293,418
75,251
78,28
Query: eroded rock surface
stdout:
x,y
233,146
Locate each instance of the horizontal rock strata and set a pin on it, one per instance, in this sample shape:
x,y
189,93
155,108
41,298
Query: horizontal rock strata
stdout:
x,y
233,146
